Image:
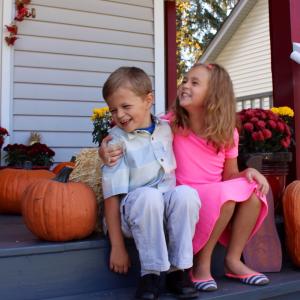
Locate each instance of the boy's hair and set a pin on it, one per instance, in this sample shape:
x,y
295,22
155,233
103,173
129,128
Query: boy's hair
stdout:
x,y
131,77
219,117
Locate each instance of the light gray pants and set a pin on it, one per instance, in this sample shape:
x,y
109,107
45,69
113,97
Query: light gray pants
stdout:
x,y
162,225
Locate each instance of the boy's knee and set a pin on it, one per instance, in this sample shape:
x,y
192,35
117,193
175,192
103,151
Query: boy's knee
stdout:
x,y
148,199
188,196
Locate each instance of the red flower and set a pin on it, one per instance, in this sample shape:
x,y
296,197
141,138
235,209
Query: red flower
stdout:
x,y
22,13
10,40
280,126
258,136
261,124
267,133
272,124
285,142
248,126
13,29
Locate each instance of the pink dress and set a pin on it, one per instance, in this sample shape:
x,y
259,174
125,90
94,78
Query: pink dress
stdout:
x,y
199,166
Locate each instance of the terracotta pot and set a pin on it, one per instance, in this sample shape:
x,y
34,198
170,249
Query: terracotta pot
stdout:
x,y
274,166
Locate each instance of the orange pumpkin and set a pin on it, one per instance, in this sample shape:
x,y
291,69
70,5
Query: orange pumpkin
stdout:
x,y
13,182
57,210
291,212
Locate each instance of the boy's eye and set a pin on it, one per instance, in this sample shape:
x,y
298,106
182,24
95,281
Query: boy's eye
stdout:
x,y
112,111
126,106
195,82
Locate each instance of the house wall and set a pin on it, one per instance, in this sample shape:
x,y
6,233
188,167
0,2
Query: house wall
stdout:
x,y
247,55
62,59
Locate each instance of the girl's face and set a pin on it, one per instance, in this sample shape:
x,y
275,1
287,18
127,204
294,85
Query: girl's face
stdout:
x,y
130,111
192,91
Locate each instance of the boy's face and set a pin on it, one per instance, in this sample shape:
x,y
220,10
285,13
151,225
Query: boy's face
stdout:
x,y
130,111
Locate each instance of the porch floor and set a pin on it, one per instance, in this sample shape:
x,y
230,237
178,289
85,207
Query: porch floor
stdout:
x,y
15,240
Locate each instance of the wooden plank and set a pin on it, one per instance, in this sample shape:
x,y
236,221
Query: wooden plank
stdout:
x,y
69,47
121,8
83,33
60,77
59,139
52,123
55,108
56,92
72,62
73,17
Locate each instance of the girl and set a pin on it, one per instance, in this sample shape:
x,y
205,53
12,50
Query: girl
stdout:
x,y
206,149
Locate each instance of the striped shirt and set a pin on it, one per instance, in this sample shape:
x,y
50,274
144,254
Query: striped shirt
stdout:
x,y
148,160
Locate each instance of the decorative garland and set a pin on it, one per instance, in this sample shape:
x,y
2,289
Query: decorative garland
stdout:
x,y
21,12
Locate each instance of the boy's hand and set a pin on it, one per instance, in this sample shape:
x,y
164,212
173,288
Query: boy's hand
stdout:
x,y
108,154
262,183
119,260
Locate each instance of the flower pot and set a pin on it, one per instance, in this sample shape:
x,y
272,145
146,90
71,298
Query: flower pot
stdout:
x,y
274,166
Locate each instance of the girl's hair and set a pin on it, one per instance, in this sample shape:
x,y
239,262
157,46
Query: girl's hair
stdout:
x,y
219,112
131,77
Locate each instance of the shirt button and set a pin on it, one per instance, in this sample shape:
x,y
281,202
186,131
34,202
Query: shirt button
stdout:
x,y
152,138
161,159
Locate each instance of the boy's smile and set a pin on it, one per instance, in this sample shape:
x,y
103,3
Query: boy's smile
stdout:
x,y
129,110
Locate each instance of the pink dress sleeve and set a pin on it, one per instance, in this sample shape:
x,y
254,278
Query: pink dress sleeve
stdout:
x,y
234,151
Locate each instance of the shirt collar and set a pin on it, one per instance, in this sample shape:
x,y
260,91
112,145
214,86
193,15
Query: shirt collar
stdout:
x,y
132,135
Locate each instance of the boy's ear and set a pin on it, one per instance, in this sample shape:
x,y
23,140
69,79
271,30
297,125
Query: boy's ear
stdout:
x,y
149,99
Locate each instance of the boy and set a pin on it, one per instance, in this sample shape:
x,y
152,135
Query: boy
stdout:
x,y
141,199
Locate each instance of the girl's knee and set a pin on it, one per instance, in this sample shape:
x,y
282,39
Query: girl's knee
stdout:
x,y
254,200
228,208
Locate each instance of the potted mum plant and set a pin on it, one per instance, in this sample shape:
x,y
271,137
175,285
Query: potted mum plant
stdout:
x,y
102,122
266,137
35,156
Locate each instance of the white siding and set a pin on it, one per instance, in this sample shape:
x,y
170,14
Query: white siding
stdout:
x,y
247,56
62,59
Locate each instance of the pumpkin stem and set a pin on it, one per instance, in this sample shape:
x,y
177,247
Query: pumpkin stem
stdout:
x,y
63,175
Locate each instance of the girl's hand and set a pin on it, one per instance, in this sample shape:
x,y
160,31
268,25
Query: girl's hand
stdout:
x,y
262,183
108,154
119,260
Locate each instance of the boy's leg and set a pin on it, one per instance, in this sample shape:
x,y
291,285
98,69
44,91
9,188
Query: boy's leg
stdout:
x,y
182,205
142,214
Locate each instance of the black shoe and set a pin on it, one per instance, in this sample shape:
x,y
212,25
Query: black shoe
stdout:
x,y
148,288
180,284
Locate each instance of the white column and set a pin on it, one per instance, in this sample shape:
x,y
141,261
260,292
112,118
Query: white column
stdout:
x,y
6,68
159,57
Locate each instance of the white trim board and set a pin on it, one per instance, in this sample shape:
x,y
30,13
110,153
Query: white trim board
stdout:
x,y
6,69
159,57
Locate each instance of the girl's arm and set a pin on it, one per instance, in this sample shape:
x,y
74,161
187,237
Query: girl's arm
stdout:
x,y
119,259
231,171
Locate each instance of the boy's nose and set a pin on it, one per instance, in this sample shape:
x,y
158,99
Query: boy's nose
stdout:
x,y
120,113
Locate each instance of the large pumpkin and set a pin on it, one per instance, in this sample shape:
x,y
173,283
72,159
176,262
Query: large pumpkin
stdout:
x,y
291,211
13,182
57,210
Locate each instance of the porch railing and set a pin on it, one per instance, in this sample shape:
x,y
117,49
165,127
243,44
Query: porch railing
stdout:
x,y
264,100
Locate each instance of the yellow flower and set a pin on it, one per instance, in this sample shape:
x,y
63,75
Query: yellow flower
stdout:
x,y
283,111
99,113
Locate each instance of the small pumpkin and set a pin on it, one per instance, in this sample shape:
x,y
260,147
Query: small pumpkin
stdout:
x,y
291,212
61,165
13,182
58,210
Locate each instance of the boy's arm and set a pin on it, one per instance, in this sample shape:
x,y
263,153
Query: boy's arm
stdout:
x,y
119,259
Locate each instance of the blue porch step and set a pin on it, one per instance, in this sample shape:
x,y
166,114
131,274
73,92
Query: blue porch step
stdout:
x,y
31,269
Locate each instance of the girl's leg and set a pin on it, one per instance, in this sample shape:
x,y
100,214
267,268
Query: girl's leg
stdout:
x,y
202,260
244,220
